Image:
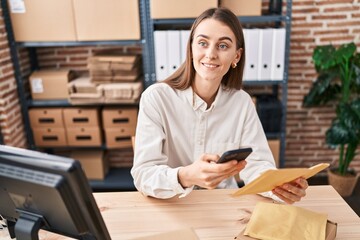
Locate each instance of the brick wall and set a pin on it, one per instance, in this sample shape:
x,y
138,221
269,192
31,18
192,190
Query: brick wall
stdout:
x,y
11,124
314,23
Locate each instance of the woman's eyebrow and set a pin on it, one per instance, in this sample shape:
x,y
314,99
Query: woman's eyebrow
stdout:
x,y
207,37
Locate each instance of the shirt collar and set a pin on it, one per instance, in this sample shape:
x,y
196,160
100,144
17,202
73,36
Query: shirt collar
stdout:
x,y
197,103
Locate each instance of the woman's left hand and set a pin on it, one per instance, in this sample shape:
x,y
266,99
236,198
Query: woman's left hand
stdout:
x,y
292,191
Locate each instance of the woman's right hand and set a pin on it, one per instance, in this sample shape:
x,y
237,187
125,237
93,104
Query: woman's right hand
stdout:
x,y
206,173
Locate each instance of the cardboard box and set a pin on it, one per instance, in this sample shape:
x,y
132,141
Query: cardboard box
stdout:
x,y
122,92
42,20
119,117
50,137
50,84
46,118
81,117
107,20
162,9
83,91
92,162
119,137
243,7
90,136
274,145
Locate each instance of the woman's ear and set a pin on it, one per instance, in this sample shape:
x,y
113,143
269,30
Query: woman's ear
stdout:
x,y
238,55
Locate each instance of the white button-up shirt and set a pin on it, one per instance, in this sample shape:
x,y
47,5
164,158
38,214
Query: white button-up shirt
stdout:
x,y
175,127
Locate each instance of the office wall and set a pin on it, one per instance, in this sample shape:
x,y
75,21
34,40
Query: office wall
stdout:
x,y
314,22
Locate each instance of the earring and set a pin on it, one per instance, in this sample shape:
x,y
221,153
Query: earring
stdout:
x,y
234,65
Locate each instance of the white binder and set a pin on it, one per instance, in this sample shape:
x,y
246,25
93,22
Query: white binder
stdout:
x,y
265,53
252,51
173,50
160,47
184,38
278,56
246,41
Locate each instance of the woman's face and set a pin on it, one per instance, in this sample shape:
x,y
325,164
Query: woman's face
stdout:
x,y
214,50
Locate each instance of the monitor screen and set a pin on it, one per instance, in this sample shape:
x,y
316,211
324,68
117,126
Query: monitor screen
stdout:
x,y
43,191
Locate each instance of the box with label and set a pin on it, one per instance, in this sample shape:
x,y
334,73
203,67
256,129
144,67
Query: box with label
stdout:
x,y
243,7
49,137
81,117
42,20
119,137
107,20
92,162
46,118
89,136
119,117
50,84
162,9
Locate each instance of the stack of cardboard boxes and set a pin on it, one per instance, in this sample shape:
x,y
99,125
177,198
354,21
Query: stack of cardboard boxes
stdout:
x,y
83,91
114,67
119,126
117,75
82,127
48,127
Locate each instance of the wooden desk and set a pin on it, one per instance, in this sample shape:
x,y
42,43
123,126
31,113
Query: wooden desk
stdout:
x,y
213,214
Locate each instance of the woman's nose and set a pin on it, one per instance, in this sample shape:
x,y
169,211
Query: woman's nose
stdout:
x,y
211,52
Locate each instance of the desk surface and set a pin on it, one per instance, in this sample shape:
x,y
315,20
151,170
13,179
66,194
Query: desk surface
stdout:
x,y
213,214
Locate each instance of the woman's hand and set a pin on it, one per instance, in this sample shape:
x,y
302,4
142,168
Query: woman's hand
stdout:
x,y
292,191
206,173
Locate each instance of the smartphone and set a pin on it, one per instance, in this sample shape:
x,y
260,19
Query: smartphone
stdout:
x,y
237,154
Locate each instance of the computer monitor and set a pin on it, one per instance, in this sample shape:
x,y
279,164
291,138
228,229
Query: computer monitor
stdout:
x,y
43,191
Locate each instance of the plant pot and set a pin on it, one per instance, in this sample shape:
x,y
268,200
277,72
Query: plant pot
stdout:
x,y
344,185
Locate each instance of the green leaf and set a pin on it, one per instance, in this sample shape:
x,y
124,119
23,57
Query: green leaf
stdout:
x,y
345,128
338,134
344,52
356,73
324,57
322,91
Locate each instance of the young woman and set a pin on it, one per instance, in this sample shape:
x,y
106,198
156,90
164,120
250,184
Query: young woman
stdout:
x,y
199,112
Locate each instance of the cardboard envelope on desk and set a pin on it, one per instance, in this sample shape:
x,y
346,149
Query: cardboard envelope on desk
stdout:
x,y
276,177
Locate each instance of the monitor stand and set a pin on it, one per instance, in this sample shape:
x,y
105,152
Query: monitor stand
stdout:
x,y
26,227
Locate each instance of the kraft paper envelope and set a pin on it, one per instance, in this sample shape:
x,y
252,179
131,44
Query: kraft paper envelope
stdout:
x,y
284,222
276,177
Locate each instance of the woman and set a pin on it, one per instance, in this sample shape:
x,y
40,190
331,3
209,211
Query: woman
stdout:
x,y
198,113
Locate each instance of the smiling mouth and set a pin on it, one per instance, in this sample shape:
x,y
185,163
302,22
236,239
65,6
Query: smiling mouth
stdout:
x,y
209,65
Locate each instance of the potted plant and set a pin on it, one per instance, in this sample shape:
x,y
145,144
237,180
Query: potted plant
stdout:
x,y
338,81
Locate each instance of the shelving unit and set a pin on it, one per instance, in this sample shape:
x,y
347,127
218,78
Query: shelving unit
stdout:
x,y
117,177
31,46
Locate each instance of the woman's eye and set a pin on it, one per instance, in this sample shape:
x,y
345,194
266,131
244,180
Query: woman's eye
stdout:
x,y
202,44
223,46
